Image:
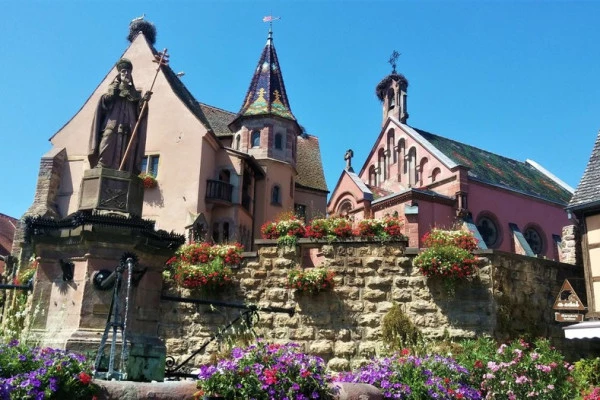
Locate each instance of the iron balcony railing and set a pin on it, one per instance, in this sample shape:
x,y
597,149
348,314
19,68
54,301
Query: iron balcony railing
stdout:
x,y
218,190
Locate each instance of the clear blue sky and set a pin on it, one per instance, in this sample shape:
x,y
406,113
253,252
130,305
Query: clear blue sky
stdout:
x,y
521,79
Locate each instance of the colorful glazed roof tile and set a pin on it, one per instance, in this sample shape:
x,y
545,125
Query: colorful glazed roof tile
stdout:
x,y
588,190
500,171
266,94
309,164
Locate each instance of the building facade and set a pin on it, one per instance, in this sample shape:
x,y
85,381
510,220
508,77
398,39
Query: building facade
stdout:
x,y
433,181
220,175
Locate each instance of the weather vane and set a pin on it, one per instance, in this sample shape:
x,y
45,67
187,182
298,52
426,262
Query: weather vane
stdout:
x,y
393,59
270,19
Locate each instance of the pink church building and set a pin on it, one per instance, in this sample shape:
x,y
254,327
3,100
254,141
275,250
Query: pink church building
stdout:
x,y
434,181
220,175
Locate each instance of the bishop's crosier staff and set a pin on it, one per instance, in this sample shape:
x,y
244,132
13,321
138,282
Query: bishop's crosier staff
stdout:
x,y
162,60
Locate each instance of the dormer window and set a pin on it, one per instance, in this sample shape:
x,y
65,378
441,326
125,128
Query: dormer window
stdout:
x,y
278,141
255,139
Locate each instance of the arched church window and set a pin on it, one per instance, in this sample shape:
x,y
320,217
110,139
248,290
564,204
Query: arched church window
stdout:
x,y
255,139
489,231
422,171
372,176
411,166
381,164
435,174
390,147
345,208
535,239
278,141
391,99
402,160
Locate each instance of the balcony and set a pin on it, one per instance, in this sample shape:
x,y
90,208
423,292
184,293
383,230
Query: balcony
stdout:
x,y
218,191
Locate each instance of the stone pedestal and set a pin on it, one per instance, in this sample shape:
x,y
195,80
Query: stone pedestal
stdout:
x,y
72,314
109,189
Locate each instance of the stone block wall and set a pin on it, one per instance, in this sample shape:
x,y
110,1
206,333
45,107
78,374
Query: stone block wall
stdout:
x,y
511,296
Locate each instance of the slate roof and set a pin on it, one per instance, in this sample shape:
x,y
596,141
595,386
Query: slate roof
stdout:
x,y
266,94
309,164
218,119
7,231
588,190
500,171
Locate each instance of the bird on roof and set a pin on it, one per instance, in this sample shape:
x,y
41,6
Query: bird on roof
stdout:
x,y
139,18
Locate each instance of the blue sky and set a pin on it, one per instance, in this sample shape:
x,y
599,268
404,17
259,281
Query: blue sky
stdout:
x,y
518,78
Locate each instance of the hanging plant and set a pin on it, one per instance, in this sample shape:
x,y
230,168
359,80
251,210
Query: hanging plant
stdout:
x,y
148,180
311,281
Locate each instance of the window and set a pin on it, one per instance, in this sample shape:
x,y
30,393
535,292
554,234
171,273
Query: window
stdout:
x,y
276,195
392,155
372,176
435,173
412,166
381,165
278,141
255,139
237,142
488,229
391,99
535,240
150,165
300,211
422,171
345,208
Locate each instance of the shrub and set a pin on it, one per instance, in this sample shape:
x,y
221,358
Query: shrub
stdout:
x,y
586,374
43,373
370,228
403,376
446,261
286,229
311,281
397,330
267,371
520,370
594,394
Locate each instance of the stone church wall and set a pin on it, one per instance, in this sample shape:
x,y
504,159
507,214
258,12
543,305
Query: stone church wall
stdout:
x,y
511,296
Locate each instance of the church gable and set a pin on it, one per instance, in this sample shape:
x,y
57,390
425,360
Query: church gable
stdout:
x,y
400,160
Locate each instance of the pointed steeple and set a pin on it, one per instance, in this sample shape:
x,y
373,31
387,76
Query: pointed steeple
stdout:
x,y
266,94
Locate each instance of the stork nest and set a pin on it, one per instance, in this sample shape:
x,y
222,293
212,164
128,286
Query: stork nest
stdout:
x,y
381,89
146,27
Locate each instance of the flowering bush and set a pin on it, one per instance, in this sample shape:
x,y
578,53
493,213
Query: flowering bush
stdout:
x,y
286,229
438,237
448,256
43,373
266,371
403,376
520,370
387,228
329,228
310,280
148,180
204,265
370,228
594,394
446,261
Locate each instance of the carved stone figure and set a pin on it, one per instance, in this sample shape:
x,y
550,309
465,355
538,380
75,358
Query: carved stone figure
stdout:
x,y
114,121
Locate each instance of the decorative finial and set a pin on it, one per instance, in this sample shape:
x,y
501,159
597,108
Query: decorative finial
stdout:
x,y
393,59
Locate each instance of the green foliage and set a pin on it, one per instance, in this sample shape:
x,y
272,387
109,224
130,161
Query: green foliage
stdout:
x,y
587,373
398,331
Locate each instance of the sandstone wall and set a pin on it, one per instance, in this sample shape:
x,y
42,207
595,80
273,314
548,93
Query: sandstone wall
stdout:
x,y
512,295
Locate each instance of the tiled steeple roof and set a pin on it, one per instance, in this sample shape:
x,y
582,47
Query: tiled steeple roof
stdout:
x,y
588,190
266,94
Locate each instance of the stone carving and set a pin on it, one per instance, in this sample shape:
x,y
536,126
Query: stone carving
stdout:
x,y
114,122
